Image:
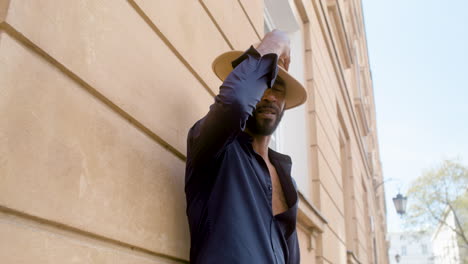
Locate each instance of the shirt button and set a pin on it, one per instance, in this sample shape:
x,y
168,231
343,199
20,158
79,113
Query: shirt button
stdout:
x,y
269,187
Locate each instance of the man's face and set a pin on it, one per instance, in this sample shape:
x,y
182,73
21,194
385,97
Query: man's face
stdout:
x,y
269,111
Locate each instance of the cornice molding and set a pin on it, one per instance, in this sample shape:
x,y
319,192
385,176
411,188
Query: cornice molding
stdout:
x,y
309,216
352,259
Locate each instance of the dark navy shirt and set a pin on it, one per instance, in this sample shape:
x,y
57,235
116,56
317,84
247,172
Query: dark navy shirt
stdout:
x,y
228,185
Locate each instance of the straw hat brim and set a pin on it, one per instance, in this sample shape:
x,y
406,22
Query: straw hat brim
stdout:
x,y
295,91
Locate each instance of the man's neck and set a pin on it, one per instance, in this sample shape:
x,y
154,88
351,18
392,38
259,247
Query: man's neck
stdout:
x,y
260,144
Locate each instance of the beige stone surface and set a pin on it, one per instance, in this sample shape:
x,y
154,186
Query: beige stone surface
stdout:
x,y
108,45
326,88
315,193
363,253
363,231
325,73
317,42
233,22
328,182
191,32
331,211
68,158
76,163
326,112
309,65
253,9
307,253
21,243
329,152
307,8
3,9
335,253
313,137
328,116
325,126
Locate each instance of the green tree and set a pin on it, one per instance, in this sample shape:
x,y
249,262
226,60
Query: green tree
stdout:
x,y
436,191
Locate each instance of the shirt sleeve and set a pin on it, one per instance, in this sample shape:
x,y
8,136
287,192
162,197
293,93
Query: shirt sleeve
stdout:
x,y
237,98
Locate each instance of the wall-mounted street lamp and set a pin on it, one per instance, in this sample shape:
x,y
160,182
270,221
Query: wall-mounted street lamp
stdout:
x,y
400,203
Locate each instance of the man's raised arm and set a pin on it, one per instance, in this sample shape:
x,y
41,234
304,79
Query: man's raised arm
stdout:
x,y
254,72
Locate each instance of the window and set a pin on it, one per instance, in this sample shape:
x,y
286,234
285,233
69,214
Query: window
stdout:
x,y
339,33
291,135
424,249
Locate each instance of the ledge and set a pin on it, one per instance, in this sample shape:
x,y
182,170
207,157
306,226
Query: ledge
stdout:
x,y
352,259
362,116
309,216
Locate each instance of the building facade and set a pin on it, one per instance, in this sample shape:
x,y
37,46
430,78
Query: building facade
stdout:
x,y
447,246
96,101
412,248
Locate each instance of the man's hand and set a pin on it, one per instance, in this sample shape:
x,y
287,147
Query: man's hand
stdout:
x,y
277,42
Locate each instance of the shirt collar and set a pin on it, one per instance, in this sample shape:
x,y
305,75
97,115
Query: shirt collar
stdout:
x,y
274,155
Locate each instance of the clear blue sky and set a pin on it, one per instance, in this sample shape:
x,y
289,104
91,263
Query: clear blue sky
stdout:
x,y
419,60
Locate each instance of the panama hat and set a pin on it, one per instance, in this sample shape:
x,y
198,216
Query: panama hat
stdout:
x,y
295,92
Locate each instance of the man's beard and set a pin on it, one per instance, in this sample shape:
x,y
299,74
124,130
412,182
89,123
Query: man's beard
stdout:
x,y
264,127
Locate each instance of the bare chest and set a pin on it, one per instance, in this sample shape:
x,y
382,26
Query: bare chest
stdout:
x,y
279,204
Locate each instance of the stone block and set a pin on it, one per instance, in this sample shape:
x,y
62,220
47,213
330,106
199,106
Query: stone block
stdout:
x,y
334,249
232,20
327,113
189,29
21,242
329,154
109,45
330,211
329,182
69,158
254,9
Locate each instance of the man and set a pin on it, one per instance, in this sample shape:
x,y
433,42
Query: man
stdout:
x,y
241,199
